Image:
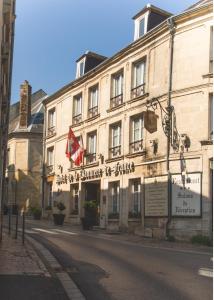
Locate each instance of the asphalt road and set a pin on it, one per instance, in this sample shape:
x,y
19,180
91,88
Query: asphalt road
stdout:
x,y
105,268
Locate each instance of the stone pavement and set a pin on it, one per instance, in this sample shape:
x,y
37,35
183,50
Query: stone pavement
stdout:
x,y
26,275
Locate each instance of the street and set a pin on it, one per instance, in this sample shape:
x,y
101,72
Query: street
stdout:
x,y
104,267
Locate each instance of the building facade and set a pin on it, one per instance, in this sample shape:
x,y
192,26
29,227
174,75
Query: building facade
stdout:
x,y
144,118
7,20
24,149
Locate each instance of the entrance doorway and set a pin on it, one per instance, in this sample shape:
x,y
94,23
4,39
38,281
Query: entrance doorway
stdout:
x,y
92,201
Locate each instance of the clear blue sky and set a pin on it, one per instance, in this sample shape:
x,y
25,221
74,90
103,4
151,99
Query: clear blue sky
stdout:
x,y
51,34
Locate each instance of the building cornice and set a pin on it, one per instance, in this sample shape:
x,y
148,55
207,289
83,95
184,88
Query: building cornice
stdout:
x,y
152,34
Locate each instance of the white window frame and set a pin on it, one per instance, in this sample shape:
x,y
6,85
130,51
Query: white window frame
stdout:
x,y
135,196
117,84
78,73
137,25
115,197
77,109
50,156
142,74
92,142
116,129
93,100
51,117
133,122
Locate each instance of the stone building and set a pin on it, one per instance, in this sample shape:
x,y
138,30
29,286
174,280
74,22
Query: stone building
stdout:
x,y
7,21
24,149
144,117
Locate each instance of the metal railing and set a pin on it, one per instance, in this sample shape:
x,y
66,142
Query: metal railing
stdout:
x,y
93,111
116,101
49,169
115,151
90,158
138,91
77,119
136,146
51,131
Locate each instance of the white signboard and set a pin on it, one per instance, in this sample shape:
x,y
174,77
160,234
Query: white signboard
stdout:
x,y
156,196
186,195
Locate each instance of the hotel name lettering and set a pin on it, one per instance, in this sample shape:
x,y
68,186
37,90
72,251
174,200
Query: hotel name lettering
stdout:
x,y
118,169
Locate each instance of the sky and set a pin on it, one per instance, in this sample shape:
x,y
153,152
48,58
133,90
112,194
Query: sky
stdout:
x,y
50,35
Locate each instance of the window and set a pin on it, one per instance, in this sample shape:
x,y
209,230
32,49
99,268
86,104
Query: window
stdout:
x,y
136,144
50,194
93,102
51,122
141,27
50,159
91,147
211,49
211,116
77,109
117,90
75,199
114,197
135,199
115,140
138,79
80,68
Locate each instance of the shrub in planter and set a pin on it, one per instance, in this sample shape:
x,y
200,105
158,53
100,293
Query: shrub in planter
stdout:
x,y
201,240
59,217
90,218
113,216
36,212
134,215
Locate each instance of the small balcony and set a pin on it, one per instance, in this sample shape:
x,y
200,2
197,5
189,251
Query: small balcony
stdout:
x,y
51,131
116,101
93,112
77,119
49,170
138,91
115,151
136,146
90,158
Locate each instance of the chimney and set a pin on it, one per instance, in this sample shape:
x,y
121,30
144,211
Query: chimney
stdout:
x,y
25,105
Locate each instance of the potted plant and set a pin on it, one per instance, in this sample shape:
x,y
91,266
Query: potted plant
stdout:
x,y
36,212
90,218
59,217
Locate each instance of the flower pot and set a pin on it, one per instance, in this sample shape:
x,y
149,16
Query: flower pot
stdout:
x,y
87,223
37,215
58,219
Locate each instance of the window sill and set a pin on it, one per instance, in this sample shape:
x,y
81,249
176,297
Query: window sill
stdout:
x,y
114,159
90,165
138,98
92,118
116,107
209,75
138,219
140,153
206,142
50,135
76,125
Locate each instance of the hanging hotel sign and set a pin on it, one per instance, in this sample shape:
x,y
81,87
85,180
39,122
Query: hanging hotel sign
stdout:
x,y
150,121
186,195
118,169
156,196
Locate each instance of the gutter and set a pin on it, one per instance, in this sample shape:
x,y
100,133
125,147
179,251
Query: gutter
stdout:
x,y
171,26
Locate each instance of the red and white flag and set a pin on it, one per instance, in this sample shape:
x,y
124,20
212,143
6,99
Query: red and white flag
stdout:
x,y
73,149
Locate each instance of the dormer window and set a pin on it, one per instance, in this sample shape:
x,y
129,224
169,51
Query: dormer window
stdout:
x,y
80,68
149,17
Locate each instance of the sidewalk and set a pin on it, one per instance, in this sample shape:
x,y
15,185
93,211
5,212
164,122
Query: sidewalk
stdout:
x,y
23,275
125,237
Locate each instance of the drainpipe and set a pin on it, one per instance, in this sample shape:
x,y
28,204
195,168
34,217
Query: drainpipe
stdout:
x,y
171,26
43,162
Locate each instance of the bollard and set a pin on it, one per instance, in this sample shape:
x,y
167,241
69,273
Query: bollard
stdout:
x,y
17,215
9,219
23,228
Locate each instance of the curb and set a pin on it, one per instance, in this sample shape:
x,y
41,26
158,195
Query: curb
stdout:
x,y
68,284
